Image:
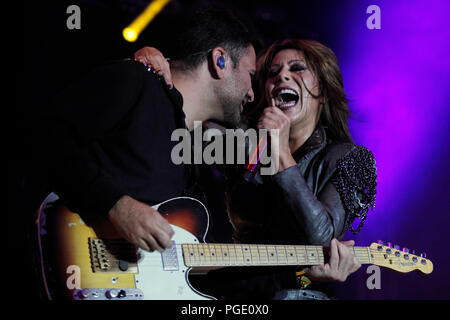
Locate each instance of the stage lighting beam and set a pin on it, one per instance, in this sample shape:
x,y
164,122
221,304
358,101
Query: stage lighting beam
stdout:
x,y
131,33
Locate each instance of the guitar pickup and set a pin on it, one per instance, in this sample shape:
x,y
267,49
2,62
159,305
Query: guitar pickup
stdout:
x,y
170,258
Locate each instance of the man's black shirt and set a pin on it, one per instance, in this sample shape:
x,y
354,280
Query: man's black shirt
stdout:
x,y
111,136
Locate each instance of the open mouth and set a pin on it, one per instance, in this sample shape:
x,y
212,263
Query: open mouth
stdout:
x,y
285,97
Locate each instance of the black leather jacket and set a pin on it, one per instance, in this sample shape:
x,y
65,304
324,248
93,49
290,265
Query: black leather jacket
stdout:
x,y
311,203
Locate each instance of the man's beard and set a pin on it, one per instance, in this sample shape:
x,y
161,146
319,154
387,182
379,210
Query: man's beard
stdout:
x,y
230,100
231,115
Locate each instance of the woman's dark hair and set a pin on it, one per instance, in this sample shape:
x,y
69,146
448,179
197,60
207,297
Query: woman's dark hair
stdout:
x,y
210,28
323,63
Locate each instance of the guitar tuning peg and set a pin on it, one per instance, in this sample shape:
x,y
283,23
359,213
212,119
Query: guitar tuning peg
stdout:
x,y
396,246
414,252
406,250
380,242
389,244
423,255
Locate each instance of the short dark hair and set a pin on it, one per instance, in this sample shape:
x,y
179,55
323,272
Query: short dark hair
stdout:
x,y
210,28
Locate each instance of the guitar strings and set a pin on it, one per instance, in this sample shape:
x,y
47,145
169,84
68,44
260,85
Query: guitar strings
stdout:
x,y
362,250
155,259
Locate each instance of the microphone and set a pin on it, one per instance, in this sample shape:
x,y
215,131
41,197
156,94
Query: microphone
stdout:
x,y
253,166
255,161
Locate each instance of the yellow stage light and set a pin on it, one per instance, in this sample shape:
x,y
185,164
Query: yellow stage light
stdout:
x,y
131,33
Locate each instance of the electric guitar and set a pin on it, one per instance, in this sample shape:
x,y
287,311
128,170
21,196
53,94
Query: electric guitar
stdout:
x,y
87,260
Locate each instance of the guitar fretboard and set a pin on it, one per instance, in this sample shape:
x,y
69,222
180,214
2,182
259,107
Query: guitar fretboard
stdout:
x,y
222,255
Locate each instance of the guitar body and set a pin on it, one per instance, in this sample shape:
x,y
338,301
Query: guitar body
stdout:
x,y
91,262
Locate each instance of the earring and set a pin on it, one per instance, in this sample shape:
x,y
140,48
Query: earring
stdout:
x,y
221,62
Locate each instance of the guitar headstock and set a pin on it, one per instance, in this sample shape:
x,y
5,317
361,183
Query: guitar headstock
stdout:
x,y
398,260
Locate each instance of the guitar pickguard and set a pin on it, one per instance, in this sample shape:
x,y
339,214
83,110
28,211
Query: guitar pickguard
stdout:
x,y
162,279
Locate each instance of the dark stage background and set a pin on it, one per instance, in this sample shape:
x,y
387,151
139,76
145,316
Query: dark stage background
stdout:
x,y
397,80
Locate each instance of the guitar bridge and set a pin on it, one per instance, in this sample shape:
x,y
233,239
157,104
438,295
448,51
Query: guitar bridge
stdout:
x,y
112,255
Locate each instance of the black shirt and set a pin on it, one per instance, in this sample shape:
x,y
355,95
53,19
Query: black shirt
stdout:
x,y
112,137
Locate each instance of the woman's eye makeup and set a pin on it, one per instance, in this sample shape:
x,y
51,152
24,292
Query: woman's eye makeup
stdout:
x,y
273,72
295,67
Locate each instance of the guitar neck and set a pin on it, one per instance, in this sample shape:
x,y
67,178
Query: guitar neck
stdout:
x,y
223,255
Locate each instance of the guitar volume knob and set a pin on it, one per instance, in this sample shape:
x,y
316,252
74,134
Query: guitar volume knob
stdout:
x,y
83,294
112,294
